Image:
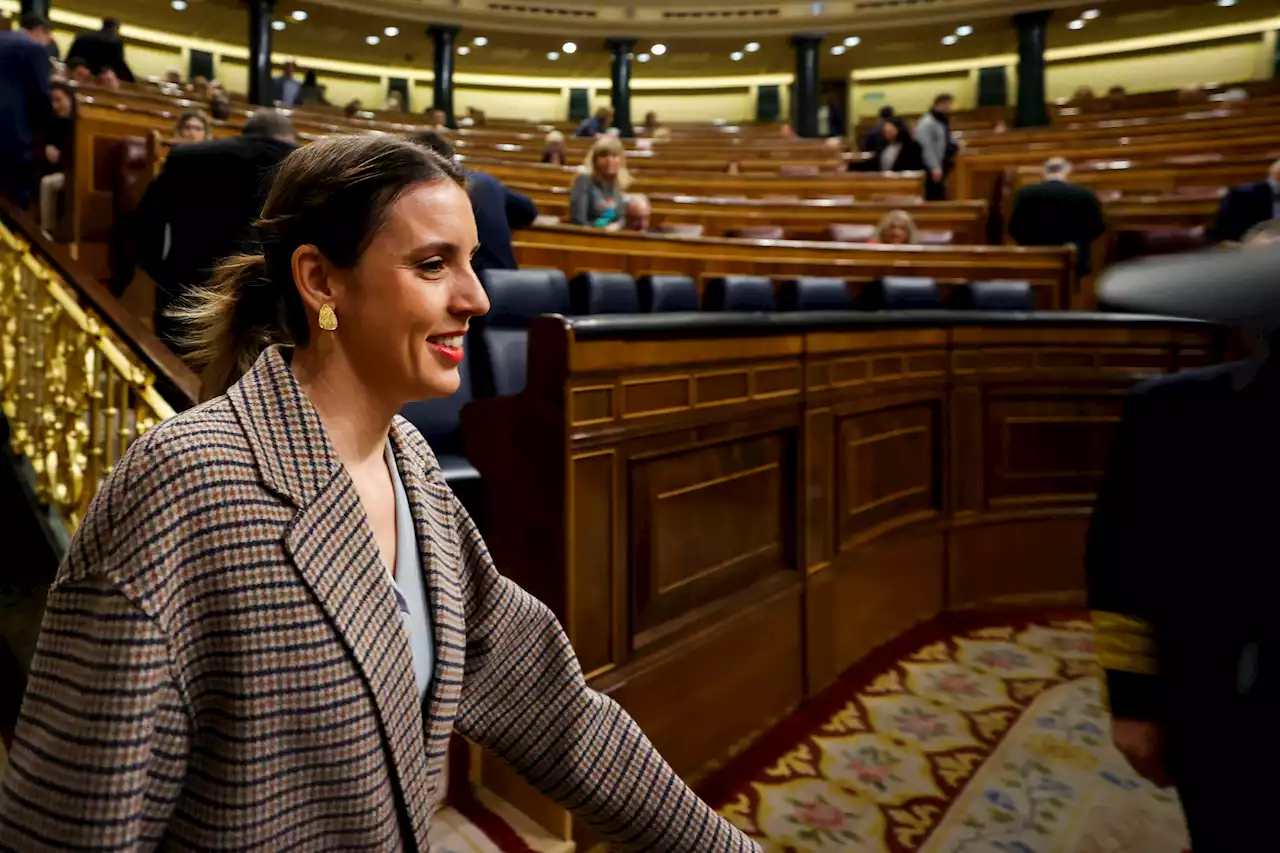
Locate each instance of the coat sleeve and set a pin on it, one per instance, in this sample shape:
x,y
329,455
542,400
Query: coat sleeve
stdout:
x,y
98,757
933,144
524,697
1018,221
1122,551
1226,223
521,211
580,200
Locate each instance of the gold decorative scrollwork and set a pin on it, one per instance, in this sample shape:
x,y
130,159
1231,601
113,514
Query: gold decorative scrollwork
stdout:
x,y
74,394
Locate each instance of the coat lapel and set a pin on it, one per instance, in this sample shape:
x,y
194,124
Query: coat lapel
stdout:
x,y
332,546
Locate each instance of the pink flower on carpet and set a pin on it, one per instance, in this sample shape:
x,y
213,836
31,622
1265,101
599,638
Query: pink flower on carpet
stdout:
x,y
957,684
1078,643
819,814
921,723
1004,659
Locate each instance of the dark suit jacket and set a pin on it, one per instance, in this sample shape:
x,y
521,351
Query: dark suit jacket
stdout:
x,y
1242,208
909,158
1051,213
100,51
24,96
498,211
208,194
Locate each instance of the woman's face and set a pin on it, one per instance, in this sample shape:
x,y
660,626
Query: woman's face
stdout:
x,y
192,130
404,307
607,165
890,132
896,233
61,103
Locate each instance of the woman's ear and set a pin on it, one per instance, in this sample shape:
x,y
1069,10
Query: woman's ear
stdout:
x,y
313,276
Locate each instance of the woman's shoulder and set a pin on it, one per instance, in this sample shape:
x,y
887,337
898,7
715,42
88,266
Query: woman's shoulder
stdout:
x,y
582,179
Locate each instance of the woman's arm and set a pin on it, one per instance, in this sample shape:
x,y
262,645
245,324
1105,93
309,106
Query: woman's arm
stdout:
x,y
524,697
580,201
100,750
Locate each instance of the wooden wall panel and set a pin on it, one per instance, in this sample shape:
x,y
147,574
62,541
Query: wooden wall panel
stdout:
x,y
1018,559
591,572
888,469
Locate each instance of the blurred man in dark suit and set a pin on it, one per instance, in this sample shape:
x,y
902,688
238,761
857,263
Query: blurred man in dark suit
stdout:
x,y
1056,211
103,49
498,210
1245,206
24,104
202,206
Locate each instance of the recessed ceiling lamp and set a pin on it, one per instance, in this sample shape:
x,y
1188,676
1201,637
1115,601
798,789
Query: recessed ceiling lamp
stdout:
x,y
752,46
737,55
658,49
278,25
852,41
464,50
479,41
298,15
553,55
644,57
179,5
1226,3
391,32
1090,14
950,40
838,49
1077,24
965,30
569,47
371,40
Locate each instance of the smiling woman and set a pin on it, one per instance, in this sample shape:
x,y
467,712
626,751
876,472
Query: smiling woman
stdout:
x,y
275,612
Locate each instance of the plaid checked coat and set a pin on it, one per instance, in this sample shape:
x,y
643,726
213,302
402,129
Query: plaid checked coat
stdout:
x,y
222,665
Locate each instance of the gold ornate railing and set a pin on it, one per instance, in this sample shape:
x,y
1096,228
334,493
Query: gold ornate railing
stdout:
x,y
74,393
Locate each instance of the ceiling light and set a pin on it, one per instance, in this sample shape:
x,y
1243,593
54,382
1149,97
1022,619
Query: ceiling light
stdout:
x,y
179,5
371,40
479,41
391,32
950,39
737,55
1078,24
852,41
1225,3
464,50
644,57
965,30
1090,14
752,46
298,15
838,49
553,55
658,49
278,25
569,47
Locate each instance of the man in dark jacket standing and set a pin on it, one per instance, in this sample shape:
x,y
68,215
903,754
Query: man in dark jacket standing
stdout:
x,y
103,49
202,206
1056,211
1245,206
24,104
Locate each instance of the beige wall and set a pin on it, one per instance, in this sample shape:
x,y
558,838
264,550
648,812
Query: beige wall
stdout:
x,y
532,104
911,94
729,105
1160,69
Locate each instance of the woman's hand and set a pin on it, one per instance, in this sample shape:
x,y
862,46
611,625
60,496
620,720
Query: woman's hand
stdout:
x,y
52,154
614,226
1142,744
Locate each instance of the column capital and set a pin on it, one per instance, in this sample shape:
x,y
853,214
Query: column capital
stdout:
x,y
814,39
437,30
1032,19
616,43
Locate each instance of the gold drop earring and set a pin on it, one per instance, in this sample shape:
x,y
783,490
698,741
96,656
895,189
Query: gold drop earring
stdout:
x,y
328,319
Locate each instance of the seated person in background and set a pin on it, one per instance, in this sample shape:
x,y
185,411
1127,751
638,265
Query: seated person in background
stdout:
x,y
597,195
57,147
352,109
78,71
1262,235
107,79
1082,94
874,140
286,88
899,153
439,121
594,125
192,126
201,209
1116,97
220,106
637,212
554,152
651,126
1245,206
1192,94
733,167
897,228
173,77
199,88
1056,211
1000,128
311,92
787,131
393,102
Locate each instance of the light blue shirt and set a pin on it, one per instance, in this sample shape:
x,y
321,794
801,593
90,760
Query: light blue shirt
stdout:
x,y
409,585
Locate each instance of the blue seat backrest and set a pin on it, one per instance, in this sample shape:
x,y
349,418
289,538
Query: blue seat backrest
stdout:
x,y
516,299
440,420
603,293
738,293
660,294
994,296
814,293
902,293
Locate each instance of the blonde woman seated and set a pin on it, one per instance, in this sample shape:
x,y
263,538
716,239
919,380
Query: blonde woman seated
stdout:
x,y
897,228
598,193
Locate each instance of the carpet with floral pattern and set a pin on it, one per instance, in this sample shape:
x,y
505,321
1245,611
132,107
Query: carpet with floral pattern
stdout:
x,y
975,733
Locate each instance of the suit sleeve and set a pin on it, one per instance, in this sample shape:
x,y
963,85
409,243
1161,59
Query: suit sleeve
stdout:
x,y
122,68
1226,223
1122,553
521,211
580,200
933,144
525,698
1017,223
1095,222
98,756
150,227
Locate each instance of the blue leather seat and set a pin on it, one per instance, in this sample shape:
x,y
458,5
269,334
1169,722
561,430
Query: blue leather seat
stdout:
x,y
603,293
901,293
660,294
814,293
738,293
516,298
994,296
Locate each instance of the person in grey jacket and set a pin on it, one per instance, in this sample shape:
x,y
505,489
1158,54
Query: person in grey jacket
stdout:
x,y
933,133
